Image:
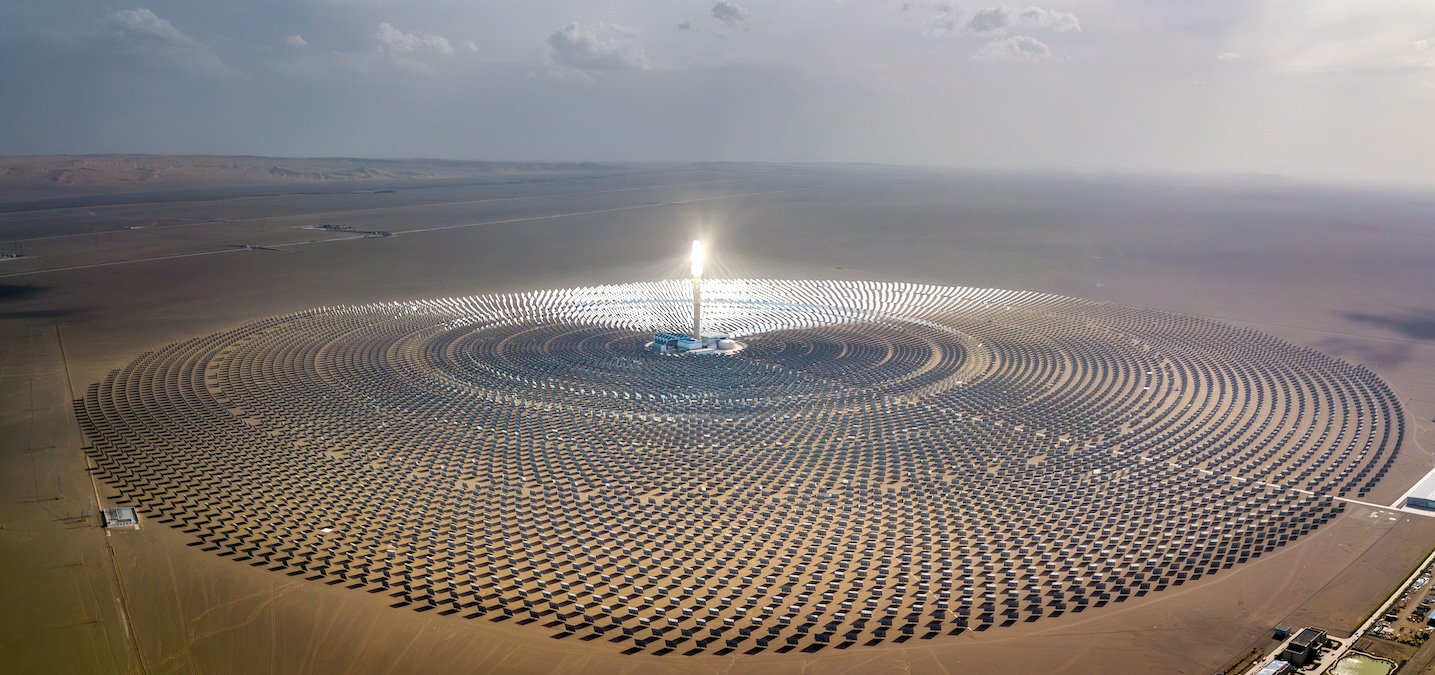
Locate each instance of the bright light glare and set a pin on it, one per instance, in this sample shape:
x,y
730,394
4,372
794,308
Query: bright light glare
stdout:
x,y
697,257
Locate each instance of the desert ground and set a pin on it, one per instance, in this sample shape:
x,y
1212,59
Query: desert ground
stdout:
x,y
119,260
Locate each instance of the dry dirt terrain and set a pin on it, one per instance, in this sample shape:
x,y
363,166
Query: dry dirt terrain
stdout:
x,y
114,268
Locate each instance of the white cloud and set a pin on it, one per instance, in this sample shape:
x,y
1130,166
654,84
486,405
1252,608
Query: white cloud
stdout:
x,y
1417,54
1019,49
142,35
470,46
731,13
684,25
602,47
143,28
945,21
1323,36
395,41
391,51
295,41
997,20
1229,56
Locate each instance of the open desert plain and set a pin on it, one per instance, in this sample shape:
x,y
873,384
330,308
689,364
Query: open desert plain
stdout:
x,y
278,536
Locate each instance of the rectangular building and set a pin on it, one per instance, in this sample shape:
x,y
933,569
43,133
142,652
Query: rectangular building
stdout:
x,y
1423,496
122,516
1275,668
1304,646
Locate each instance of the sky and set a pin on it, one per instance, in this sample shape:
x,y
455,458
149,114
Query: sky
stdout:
x,y
1331,90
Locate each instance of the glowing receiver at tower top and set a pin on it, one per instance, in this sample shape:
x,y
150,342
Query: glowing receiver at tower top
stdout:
x,y
697,257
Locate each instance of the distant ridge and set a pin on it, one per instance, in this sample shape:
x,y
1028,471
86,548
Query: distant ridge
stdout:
x,y
42,176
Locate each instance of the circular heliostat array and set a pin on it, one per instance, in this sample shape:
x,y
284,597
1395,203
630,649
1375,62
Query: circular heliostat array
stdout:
x,y
881,461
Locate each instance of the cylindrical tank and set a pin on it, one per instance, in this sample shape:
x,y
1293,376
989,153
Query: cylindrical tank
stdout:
x,y
726,344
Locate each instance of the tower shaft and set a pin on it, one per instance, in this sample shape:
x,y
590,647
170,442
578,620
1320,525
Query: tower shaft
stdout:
x,y
697,308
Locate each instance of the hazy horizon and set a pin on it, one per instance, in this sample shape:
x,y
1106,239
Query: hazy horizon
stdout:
x,y
1330,90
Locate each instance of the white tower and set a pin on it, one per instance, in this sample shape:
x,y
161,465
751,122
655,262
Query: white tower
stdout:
x,y
697,262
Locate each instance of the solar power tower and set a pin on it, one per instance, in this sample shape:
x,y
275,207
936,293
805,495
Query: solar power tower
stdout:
x,y
697,264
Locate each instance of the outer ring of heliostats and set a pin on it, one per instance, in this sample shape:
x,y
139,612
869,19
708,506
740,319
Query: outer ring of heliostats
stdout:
x,y
881,462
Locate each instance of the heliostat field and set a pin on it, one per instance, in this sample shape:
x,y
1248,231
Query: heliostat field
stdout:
x,y
880,462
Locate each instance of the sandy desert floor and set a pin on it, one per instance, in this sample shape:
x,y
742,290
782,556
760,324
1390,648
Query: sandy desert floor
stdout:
x,y
1343,271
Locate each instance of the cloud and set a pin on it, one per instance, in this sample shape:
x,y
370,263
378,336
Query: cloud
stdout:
x,y
395,41
1019,49
602,47
997,20
142,28
684,25
470,45
295,41
390,51
1326,36
947,20
1229,56
146,38
1417,54
730,13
